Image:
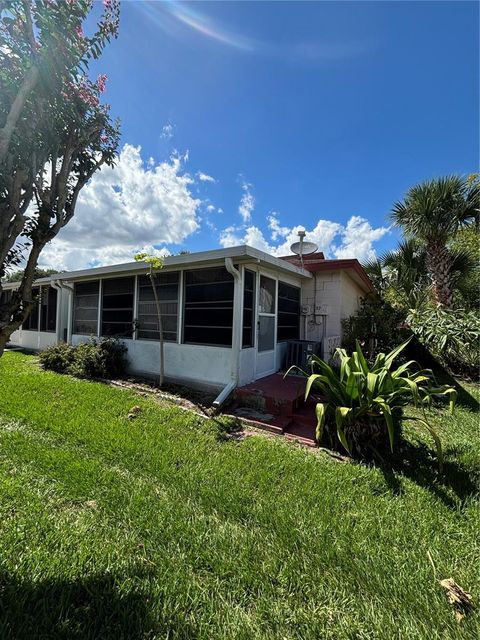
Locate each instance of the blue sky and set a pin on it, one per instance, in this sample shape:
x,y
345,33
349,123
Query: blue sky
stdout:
x,y
309,111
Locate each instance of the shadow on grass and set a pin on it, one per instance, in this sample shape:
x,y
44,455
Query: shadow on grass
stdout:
x,y
228,428
417,351
454,485
84,608
464,399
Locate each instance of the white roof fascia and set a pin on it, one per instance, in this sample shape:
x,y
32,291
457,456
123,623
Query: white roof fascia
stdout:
x,y
244,253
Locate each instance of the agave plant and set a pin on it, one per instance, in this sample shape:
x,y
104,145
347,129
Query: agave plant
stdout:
x,y
365,403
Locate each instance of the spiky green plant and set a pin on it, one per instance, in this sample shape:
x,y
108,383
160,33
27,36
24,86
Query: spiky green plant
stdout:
x,y
365,404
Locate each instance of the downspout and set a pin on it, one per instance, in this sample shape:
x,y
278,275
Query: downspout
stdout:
x,y
58,318
236,336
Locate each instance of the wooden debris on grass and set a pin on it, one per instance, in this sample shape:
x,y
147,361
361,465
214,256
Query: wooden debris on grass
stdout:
x,y
134,411
460,599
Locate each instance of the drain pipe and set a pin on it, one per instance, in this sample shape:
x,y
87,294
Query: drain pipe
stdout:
x,y
236,337
54,284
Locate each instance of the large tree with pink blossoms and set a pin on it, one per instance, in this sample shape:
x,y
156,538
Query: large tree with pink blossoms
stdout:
x,y
54,130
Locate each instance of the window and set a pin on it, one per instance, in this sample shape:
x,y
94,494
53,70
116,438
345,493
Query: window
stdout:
x,y
288,312
248,338
266,302
166,285
48,309
6,296
117,307
31,322
208,311
85,308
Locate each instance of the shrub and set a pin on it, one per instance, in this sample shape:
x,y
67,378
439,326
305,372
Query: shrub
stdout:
x,y
58,357
103,358
451,335
362,406
376,326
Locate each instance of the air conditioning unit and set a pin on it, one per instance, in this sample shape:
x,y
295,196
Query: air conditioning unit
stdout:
x,y
299,351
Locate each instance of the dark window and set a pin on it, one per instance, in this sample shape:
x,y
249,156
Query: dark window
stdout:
x,y
166,285
85,308
288,312
31,323
117,307
6,296
208,309
248,338
48,309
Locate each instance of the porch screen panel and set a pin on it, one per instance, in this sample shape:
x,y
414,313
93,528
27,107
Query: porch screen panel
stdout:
x,y
85,308
248,336
167,286
48,309
31,323
208,309
6,296
117,307
288,312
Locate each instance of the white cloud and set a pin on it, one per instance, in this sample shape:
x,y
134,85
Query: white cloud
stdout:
x,y
167,131
357,239
354,240
124,209
247,202
275,228
204,177
210,208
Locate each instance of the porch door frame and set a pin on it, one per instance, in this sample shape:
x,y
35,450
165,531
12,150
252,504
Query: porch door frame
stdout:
x,y
265,361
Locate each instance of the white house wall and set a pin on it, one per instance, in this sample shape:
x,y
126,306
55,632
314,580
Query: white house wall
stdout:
x,y
35,340
350,296
195,365
339,296
324,288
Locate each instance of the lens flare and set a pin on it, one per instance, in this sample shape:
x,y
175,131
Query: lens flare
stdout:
x,y
161,11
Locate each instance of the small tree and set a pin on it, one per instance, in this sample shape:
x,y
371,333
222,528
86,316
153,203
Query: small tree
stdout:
x,y
54,133
155,263
432,213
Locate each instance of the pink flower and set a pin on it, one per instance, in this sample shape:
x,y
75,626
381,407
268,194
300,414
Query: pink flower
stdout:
x,y
79,31
101,82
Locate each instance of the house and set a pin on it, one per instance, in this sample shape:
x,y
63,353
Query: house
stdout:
x,y
228,314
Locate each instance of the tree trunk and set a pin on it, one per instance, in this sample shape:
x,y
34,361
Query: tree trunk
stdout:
x,y
6,132
4,338
439,265
160,330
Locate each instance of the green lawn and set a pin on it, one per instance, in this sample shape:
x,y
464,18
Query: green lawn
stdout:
x,y
159,527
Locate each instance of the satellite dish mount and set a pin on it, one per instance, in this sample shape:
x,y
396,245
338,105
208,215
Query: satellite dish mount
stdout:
x,y
303,248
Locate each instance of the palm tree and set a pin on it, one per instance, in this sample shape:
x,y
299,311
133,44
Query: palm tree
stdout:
x,y
400,275
431,213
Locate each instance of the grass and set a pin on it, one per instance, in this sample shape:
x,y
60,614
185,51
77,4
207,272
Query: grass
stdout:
x,y
160,527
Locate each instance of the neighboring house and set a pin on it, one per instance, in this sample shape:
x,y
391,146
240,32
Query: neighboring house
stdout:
x,y
227,314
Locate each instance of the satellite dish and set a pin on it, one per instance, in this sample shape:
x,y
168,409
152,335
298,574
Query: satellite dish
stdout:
x,y
303,248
